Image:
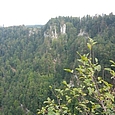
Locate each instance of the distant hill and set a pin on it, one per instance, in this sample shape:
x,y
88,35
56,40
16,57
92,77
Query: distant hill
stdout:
x,y
37,26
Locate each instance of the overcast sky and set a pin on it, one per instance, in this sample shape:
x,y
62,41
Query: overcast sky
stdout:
x,y
27,12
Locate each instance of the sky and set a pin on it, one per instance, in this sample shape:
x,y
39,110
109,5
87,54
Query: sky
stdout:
x,y
32,12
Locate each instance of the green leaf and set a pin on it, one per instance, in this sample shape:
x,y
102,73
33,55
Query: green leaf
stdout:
x,y
50,111
96,60
89,46
91,90
112,62
68,70
96,106
106,83
110,96
58,90
57,113
64,82
98,68
99,78
108,69
69,101
94,43
50,87
84,58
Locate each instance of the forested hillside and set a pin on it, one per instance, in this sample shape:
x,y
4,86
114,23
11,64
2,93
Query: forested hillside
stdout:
x,y
32,58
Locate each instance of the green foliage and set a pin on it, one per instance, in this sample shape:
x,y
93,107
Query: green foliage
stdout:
x,y
30,62
89,93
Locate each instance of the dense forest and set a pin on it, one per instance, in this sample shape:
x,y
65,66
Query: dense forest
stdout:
x,y
34,57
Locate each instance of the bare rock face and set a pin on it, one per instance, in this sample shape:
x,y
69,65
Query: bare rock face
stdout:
x,y
83,33
63,29
52,32
54,28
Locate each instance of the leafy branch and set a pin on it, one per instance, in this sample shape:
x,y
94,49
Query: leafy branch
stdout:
x,y
89,94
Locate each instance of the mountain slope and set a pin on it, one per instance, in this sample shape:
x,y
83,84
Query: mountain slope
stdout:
x,y
33,58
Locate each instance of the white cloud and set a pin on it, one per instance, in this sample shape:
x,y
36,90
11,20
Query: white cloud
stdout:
x,y
16,12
